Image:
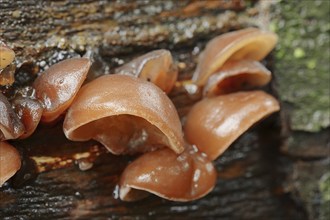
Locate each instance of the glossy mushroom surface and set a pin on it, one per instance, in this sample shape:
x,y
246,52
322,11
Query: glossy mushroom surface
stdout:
x,y
215,123
237,76
249,43
126,114
57,86
10,125
10,161
185,177
7,75
156,66
7,55
29,111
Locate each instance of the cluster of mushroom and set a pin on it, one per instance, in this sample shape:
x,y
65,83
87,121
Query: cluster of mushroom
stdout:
x,y
129,113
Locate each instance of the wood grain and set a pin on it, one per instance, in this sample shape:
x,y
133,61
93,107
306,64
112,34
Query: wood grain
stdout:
x,y
251,174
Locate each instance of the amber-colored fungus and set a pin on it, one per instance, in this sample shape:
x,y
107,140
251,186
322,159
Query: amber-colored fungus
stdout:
x,y
125,114
29,111
10,125
236,76
249,43
185,177
7,55
57,86
214,123
10,161
156,66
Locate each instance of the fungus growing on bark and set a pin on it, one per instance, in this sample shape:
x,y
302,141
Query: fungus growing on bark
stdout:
x,y
10,125
10,161
125,114
215,123
237,76
185,177
156,66
249,43
57,86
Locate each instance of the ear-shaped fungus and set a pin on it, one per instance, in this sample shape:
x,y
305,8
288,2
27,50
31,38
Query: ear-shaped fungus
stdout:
x,y
10,125
214,123
156,66
184,177
249,43
236,76
10,161
125,114
7,55
29,111
57,86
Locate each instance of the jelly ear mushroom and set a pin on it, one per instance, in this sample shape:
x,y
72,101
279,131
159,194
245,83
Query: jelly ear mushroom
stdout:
x,y
249,43
156,66
10,125
10,161
7,55
185,177
29,111
236,76
214,123
57,86
125,114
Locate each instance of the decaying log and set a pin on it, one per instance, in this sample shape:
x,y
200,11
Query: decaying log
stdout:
x,y
64,179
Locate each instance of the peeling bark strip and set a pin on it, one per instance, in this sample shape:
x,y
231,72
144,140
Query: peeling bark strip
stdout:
x,y
51,183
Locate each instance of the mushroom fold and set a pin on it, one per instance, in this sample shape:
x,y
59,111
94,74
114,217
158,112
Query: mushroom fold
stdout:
x,y
214,123
156,66
126,114
249,43
10,125
236,76
185,177
10,161
29,111
57,86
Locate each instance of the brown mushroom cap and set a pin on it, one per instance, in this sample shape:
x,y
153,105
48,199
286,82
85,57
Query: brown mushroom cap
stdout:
x,y
125,114
29,111
57,86
156,66
10,161
249,43
185,177
7,56
236,76
10,125
7,75
214,123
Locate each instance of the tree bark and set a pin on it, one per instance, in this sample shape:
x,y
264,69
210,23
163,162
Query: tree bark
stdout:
x,y
51,183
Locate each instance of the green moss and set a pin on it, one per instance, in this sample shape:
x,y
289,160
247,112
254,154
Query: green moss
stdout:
x,y
302,61
325,194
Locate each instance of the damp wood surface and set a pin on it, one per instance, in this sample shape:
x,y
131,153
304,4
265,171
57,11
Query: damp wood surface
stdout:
x,y
254,178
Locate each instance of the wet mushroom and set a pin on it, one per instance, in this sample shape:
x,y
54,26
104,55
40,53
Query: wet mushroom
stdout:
x,y
185,177
29,111
10,161
7,55
249,43
57,86
10,125
156,66
7,75
125,114
237,76
214,123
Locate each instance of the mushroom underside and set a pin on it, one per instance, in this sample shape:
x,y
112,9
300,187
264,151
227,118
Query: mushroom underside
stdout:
x,y
123,134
